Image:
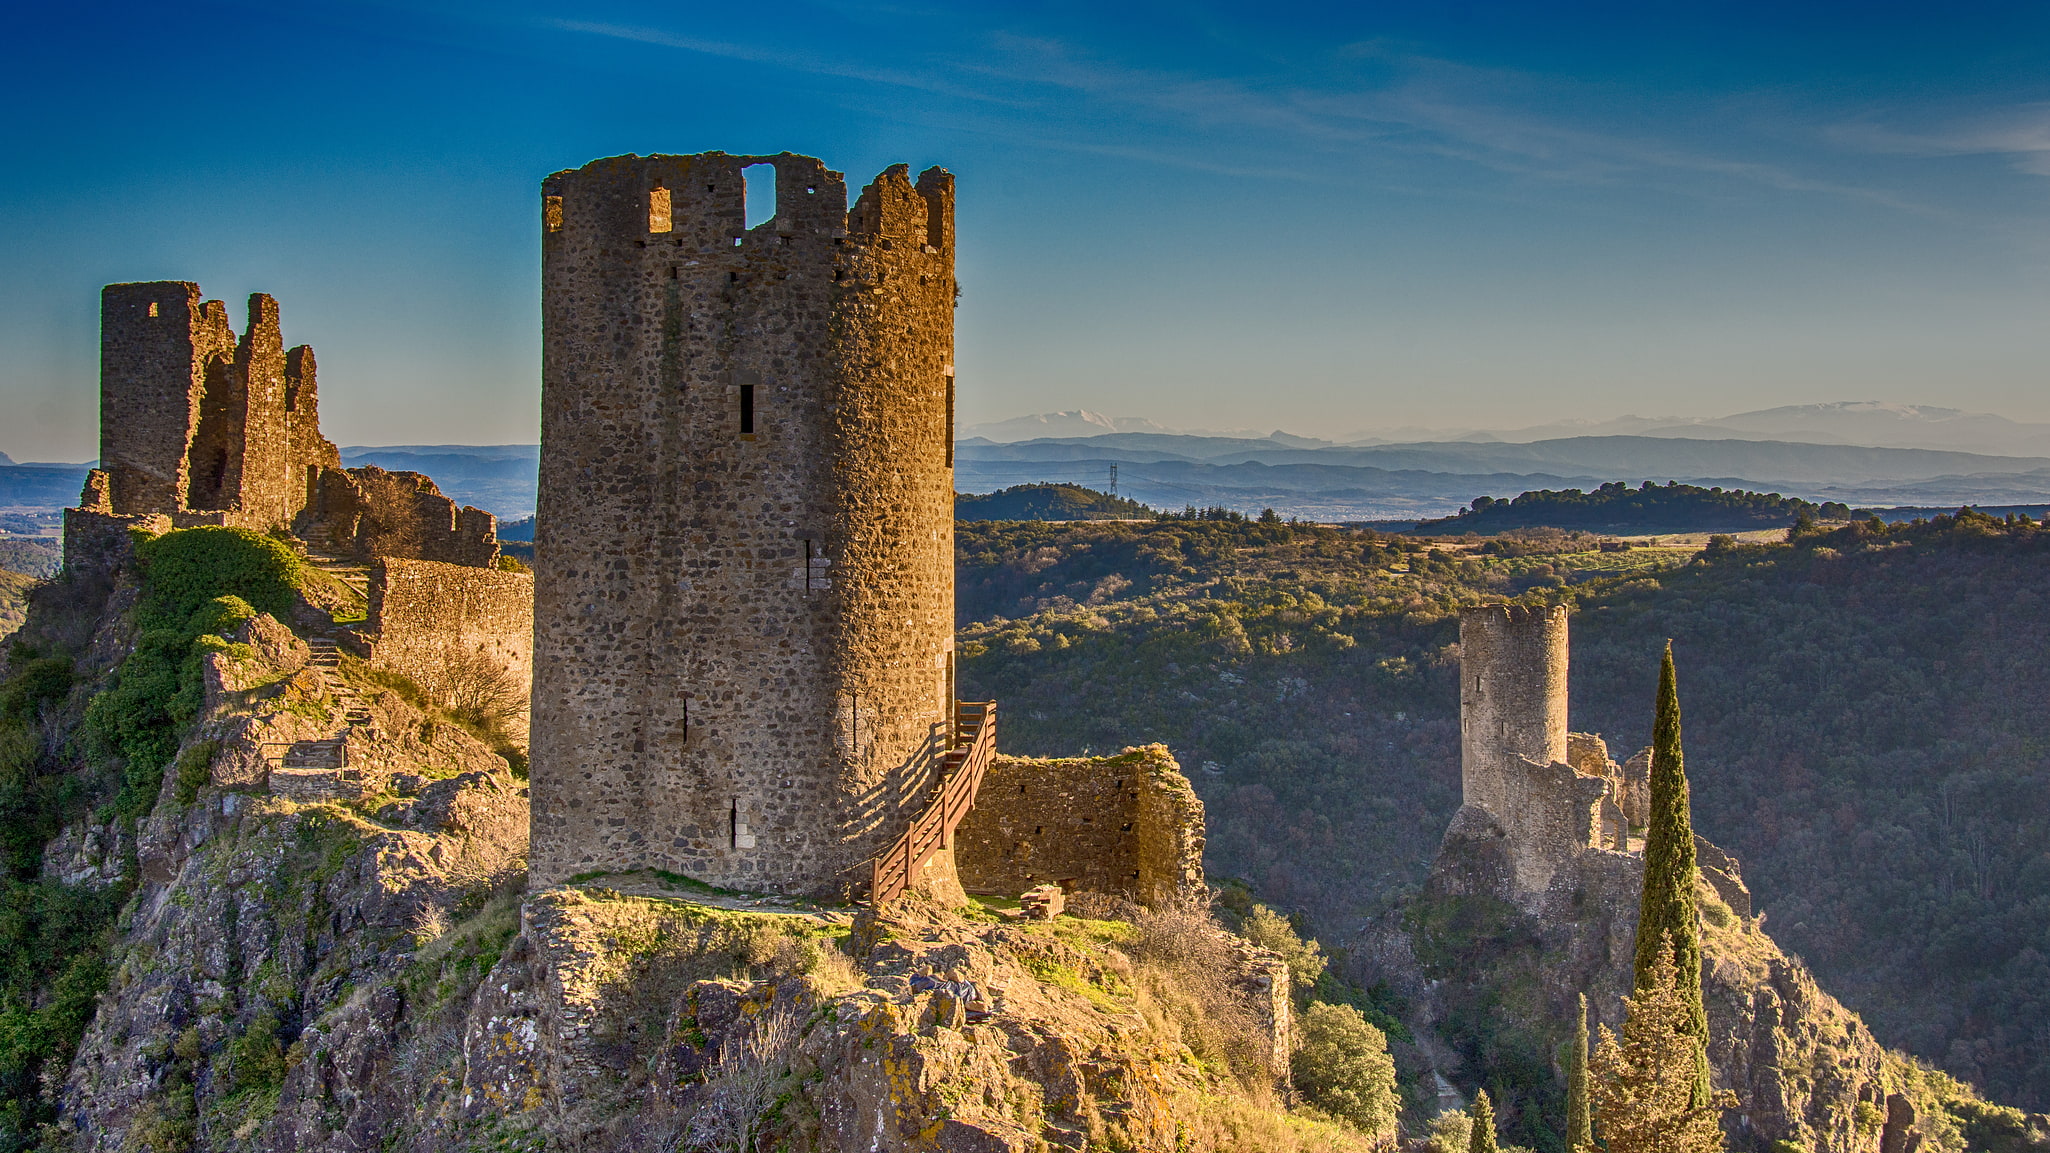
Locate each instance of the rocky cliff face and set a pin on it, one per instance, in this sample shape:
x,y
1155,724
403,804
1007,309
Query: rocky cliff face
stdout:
x,y
342,956
1492,990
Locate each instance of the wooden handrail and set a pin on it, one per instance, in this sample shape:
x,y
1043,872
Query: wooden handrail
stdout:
x,y
972,745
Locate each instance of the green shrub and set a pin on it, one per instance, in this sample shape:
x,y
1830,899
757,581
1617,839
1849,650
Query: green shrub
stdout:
x,y
195,769
185,569
1341,1065
40,681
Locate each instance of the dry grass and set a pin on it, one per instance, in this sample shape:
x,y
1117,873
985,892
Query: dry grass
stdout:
x,y
1185,963
741,1087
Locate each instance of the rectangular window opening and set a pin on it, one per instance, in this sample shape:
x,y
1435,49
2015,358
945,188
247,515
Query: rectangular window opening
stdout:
x,y
759,181
761,193
747,410
152,308
658,209
551,213
950,416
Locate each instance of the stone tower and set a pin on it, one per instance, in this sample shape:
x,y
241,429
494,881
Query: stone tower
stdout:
x,y
1513,749
205,427
744,562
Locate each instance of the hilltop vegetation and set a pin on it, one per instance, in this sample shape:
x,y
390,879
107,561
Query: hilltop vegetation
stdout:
x,y
1862,716
1047,502
1616,507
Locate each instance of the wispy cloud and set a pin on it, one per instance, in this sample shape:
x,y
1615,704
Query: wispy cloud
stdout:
x,y
1412,104
779,58
2021,134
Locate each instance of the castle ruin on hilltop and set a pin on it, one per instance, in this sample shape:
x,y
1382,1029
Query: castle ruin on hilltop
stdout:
x,y
1545,811
744,546
200,427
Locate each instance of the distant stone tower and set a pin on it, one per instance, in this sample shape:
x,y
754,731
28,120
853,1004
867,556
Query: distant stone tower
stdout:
x,y
744,555
1513,748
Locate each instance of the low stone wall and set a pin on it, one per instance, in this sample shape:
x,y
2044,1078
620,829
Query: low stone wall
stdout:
x,y
440,624
1128,825
375,513
100,542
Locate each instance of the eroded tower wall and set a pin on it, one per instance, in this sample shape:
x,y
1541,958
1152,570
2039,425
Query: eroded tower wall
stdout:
x,y
744,561
1512,695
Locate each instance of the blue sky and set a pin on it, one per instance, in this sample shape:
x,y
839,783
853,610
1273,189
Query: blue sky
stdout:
x,y
1330,219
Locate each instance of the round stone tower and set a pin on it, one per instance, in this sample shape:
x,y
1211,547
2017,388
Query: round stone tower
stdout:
x,y
744,600
1512,700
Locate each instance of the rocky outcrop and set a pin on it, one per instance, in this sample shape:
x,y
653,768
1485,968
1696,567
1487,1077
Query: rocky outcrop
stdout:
x,y
362,970
1805,1069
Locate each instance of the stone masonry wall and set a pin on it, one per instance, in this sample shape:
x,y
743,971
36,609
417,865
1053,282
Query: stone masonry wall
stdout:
x,y
1128,825
205,423
1514,749
373,513
435,623
744,562
208,429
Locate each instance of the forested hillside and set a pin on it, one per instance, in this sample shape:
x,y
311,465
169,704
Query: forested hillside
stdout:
x,y
1617,507
1863,712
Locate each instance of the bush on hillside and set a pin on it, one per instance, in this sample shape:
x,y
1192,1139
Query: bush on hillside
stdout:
x,y
1342,1066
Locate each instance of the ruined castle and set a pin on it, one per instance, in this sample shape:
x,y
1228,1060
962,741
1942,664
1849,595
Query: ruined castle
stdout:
x,y
1546,813
740,634
200,427
1548,796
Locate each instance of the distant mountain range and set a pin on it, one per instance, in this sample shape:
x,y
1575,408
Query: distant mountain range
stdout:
x,y
1869,423
1863,453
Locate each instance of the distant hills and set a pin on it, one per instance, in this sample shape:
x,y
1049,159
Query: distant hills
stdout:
x,y
1866,454
1047,502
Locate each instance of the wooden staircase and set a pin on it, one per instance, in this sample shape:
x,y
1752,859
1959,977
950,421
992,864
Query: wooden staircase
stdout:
x,y
971,748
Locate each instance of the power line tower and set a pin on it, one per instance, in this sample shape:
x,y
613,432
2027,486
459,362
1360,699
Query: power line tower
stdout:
x,y
1113,479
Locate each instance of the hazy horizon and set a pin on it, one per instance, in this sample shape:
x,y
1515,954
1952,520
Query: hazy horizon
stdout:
x,y
1318,218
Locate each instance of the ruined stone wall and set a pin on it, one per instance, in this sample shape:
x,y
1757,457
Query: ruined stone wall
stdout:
x,y
1128,825
205,427
744,562
158,344
373,513
444,625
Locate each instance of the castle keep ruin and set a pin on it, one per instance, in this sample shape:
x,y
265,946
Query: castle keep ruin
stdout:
x,y
744,556
202,428
1549,796
212,429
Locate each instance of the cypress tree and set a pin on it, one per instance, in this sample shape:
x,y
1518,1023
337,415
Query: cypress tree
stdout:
x,y
1482,1139
1579,1124
1667,911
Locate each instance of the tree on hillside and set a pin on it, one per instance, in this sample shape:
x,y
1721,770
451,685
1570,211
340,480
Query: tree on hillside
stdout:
x,y
1579,1130
1341,1065
1643,1088
1667,912
1482,1139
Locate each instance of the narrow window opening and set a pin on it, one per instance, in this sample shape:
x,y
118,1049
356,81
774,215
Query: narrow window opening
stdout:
x,y
683,719
658,209
811,189
152,308
672,272
950,416
747,410
551,213
761,193
743,837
